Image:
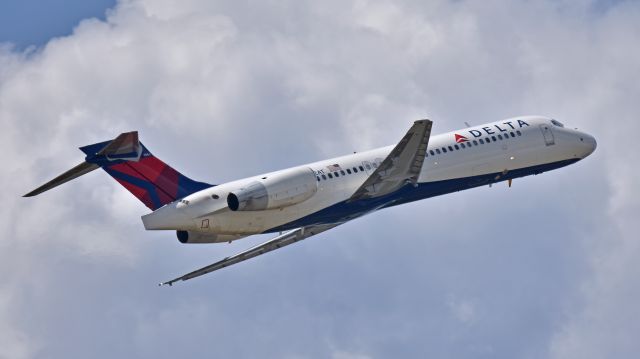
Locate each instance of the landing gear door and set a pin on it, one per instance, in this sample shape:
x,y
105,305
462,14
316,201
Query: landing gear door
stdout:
x,y
548,135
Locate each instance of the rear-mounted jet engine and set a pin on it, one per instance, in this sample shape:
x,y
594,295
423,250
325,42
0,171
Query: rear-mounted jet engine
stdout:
x,y
275,191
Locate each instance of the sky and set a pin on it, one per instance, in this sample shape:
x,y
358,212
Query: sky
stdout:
x,y
549,268
34,22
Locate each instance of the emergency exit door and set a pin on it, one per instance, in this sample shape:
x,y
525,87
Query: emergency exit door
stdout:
x,y
548,135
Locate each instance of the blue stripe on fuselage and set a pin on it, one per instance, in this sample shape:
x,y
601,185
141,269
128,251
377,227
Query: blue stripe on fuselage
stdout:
x,y
148,186
344,211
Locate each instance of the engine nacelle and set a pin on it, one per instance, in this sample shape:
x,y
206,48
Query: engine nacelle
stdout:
x,y
275,191
199,237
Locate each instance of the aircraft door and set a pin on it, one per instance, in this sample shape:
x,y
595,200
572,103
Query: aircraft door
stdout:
x,y
548,135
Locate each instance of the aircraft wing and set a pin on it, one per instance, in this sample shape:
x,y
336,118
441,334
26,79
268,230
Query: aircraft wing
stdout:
x,y
280,241
402,165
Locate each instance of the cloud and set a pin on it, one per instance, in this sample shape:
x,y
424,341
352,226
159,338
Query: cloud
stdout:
x,y
224,90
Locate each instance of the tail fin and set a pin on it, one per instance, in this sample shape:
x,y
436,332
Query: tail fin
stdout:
x,y
128,161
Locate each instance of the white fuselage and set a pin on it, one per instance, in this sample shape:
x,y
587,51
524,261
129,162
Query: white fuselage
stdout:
x,y
526,145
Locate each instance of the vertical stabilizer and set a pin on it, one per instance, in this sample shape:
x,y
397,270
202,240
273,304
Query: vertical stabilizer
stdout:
x,y
129,162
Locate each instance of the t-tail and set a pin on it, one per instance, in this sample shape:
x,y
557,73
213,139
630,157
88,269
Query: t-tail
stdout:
x,y
127,160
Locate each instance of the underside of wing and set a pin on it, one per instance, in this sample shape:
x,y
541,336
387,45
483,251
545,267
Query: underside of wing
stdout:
x,y
280,241
402,166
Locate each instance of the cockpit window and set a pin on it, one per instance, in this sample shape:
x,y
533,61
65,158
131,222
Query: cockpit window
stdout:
x,y
557,123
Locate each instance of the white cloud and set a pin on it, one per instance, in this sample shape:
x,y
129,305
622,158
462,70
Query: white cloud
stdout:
x,y
14,343
227,89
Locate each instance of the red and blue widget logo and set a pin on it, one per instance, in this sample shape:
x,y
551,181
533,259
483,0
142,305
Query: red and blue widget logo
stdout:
x,y
461,139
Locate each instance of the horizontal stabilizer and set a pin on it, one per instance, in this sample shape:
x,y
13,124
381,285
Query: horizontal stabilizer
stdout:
x,y
124,147
77,171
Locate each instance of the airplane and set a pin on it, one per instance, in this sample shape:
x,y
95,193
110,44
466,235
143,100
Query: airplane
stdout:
x,y
303,201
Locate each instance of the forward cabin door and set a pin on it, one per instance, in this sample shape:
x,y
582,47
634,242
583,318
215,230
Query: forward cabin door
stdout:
x,y
548,135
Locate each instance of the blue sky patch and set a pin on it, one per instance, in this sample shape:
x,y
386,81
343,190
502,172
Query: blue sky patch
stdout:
x,y
30,22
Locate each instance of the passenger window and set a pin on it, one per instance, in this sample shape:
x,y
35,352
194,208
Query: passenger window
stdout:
x,y
500,137
324,177
513,134
355,170
330,176
361,168
456,146
337,174
432,153
462,145
487,140
438,150
342,172
444,150
368,166
348,171
475,143
494,138
481,141
318,178
450,148
519,133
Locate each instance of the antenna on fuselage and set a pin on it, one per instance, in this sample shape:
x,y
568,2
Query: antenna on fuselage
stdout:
x,y
467,123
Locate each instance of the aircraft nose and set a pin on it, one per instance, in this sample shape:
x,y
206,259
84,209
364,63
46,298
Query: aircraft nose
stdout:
x,y
589,144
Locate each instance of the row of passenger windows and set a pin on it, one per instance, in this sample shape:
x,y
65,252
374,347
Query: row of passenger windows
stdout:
x,y
469,144
472,143
348,171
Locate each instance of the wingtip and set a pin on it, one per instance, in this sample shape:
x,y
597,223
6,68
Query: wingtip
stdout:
x,y
32,193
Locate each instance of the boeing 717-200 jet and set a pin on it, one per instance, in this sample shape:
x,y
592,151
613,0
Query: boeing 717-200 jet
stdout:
x,y
303,201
